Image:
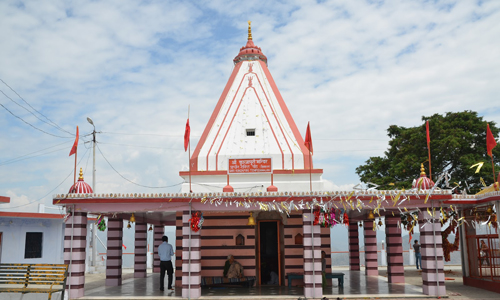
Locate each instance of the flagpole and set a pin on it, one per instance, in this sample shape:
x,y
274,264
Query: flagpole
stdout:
x,y
493,168
74,177
429,148
189,155
310,172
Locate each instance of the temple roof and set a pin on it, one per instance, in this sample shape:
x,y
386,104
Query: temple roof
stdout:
x,y
423,182
80,187
250,120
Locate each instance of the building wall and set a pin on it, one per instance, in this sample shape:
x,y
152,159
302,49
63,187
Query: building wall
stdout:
x,y
13,241
218,240
253,182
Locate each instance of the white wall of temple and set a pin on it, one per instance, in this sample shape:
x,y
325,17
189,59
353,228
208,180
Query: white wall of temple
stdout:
x,y
13,240
253,183
250,104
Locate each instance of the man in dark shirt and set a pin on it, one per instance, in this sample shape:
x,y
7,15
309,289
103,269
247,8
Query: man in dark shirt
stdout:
x,y
418,256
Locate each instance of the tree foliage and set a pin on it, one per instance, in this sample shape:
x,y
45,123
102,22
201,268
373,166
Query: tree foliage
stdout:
x,y
458,141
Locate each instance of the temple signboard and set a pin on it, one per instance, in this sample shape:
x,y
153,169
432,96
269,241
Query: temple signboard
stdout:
x,y
249,165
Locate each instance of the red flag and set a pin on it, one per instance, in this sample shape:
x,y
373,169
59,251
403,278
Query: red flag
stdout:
x,y
490,141
428,136
308,142
75,145
186,135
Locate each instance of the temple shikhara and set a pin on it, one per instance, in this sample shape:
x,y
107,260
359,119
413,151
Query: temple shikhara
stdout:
x,y
252,191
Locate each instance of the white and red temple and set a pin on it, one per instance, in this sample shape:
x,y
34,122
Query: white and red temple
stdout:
x,y
251,162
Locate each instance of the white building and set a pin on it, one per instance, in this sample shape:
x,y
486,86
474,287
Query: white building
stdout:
x,y
31,238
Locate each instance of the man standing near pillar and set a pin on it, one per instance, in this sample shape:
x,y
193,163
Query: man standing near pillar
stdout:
x,y
418,256
165,251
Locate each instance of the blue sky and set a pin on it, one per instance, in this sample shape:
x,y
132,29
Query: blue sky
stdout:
x,y
351,68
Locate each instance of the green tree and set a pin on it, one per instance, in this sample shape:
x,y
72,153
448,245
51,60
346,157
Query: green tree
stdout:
x,y
458,141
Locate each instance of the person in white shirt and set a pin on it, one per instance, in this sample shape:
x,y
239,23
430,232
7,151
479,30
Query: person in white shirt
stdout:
x,y
166,251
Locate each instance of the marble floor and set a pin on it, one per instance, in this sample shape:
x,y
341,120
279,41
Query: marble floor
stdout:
x,y
356,284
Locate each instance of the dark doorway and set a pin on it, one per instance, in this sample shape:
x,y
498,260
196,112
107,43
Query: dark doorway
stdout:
x,y
269,254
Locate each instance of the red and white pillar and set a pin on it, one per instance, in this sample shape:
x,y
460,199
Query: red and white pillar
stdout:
x,y
141,250
395,267
353,247
312,263
191,260
371,255
159,232
114,252
75,242
431,250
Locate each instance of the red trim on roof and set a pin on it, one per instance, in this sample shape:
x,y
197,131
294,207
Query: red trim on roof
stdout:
x,y
280,172
287,114
30,215
201,142
4,199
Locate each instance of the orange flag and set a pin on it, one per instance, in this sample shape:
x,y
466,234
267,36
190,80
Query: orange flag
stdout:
x,y
308,141
75,145
490,141
186,136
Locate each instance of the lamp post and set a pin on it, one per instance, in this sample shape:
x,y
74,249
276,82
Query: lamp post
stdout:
x,y
94,226
93,164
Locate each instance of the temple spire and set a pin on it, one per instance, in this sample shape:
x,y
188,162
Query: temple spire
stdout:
x,y
249,30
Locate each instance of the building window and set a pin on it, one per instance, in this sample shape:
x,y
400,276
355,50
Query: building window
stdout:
x,y
299,239
240,240
33,245
251,132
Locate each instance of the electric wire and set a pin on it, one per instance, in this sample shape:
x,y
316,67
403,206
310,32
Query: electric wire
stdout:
x,y
137,146
64,137
23,157
153,134
83,156
31,112
52,123
138,184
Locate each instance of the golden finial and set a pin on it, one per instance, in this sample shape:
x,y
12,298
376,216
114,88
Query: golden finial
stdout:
x,y
81,174
249,30
422,170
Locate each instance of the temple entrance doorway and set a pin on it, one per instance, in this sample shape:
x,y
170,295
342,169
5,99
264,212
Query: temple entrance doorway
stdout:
x,y
268,252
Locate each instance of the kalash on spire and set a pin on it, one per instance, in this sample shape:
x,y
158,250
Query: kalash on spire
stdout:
x,y
250,51
251,132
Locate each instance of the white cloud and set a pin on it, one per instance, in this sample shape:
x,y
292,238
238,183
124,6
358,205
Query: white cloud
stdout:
x,y
352,68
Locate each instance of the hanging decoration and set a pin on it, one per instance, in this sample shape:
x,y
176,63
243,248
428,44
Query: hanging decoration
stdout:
x,y
448,247
101,223
196,221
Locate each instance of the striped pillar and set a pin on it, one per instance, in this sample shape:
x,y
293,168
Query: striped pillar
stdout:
x,y
353,247
141,250
191,262
395,268
75,242
159,232
371,254
312,257
114,252
432,256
